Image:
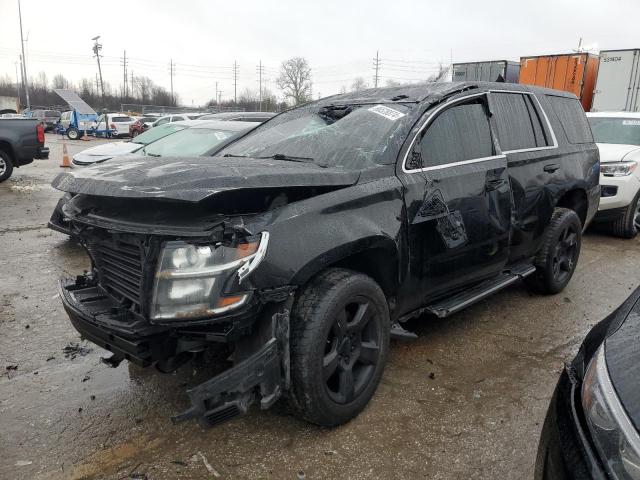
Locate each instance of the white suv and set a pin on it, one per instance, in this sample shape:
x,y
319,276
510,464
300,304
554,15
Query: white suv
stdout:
x,y
618,137
117,123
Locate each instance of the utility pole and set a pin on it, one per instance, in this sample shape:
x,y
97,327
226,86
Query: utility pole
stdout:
x,y
219,97
260,73
171,70
124,72
17,81
96,51
376,66
133,92
216,94
235,82
24,62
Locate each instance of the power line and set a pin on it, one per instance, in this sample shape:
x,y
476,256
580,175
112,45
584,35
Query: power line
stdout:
x,y
124,72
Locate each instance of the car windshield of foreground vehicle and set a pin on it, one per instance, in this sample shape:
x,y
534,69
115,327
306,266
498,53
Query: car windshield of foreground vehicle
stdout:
x,y
191,142
622,131
348,136
157,133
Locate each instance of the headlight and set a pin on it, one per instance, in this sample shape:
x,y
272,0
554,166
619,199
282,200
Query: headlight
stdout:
x,y
621,169
613,434
190,279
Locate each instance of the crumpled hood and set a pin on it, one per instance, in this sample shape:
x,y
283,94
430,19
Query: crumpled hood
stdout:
x,y
194,179
612,152
106,151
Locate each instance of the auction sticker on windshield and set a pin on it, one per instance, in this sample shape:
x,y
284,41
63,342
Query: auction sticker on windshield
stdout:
x,y
387,112
631,122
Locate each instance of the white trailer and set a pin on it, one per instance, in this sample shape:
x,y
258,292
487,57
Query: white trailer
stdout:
x,y
618,85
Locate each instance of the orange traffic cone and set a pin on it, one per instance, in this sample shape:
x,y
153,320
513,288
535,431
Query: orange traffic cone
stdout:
x,y
65,156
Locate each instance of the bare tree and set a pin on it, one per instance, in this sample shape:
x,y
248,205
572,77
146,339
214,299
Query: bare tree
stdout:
x,y
59,81
358,84
295,80
393,83
248,95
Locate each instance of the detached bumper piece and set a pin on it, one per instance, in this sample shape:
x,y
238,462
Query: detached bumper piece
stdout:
x,y
232,392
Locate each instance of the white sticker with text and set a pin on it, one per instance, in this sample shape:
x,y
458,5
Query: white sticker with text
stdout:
x,y
631,122
387,112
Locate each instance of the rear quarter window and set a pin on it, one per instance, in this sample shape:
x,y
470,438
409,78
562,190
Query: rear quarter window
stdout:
x,y
518,122
572,118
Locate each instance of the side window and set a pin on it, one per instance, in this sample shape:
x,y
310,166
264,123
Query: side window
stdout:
x,y
572,118
459,133
518,122
163,120
177,119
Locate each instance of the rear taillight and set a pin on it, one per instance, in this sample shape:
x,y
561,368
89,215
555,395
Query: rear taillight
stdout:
x,y
40,132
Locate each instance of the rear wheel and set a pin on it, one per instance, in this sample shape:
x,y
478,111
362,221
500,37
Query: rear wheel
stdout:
x,y
557,259
628,225
135,133
339,346
6,166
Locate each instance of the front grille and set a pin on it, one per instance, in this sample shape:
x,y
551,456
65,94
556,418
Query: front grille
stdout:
x,y
120,269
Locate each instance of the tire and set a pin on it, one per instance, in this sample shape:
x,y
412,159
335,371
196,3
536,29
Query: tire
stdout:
x,y
134,134
73,133
336,360
6,166
627,225
557,259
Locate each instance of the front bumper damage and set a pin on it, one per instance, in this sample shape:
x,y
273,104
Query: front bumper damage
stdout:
x,y
260,371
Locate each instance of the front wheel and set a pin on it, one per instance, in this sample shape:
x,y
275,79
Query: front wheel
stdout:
x,y
557,259
627,225
339,345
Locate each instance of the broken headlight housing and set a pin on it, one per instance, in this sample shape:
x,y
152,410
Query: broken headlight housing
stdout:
x,y
190,279
613,434
617,169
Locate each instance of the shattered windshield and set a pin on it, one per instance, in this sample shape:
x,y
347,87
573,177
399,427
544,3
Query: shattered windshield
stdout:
x,y
348,136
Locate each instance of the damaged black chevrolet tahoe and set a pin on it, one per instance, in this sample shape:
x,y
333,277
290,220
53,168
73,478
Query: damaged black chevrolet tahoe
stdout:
x,y
303,246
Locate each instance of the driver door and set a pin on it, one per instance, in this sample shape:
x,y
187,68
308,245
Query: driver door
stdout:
x,y
457,198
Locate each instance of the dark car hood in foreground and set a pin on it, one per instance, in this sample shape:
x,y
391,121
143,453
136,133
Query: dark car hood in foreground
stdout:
x,y
622,350
195,179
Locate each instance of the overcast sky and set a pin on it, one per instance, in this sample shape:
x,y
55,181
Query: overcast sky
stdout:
x,y
338,38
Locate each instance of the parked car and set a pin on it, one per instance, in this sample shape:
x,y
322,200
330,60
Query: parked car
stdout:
x,y
141,125
21,141
170,118
307,242
592,427
113,124
209,138
257,117
202,138
618,137
106,151
48,118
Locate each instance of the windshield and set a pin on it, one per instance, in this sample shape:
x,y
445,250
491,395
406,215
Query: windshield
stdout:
x,y
157,133
623,131
348,136
191,142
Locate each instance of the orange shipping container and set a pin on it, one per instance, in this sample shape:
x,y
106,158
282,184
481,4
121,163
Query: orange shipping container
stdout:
x,y
572,72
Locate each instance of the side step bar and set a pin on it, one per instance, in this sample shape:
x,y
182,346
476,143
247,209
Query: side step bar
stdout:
x,y
468,297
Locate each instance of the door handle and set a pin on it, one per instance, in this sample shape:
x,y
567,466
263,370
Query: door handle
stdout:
x,y
552,167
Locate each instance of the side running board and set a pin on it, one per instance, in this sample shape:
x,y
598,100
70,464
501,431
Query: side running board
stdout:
x,y
454,304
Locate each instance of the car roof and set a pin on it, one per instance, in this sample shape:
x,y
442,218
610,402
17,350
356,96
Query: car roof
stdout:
x,y
614,114
420,92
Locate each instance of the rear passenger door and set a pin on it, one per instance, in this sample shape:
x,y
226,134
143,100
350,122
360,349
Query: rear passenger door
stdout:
x,y
528,141
457,199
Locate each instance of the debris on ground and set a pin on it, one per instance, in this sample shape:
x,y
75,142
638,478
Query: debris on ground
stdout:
x,y
211,470
86,377
72,350
432,376
179,462
50,358
23,463
12,367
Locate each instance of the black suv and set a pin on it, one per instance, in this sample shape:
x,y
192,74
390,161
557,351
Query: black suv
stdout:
x,y
299,250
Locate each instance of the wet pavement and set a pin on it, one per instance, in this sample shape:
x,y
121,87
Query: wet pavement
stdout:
x,y
465,400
